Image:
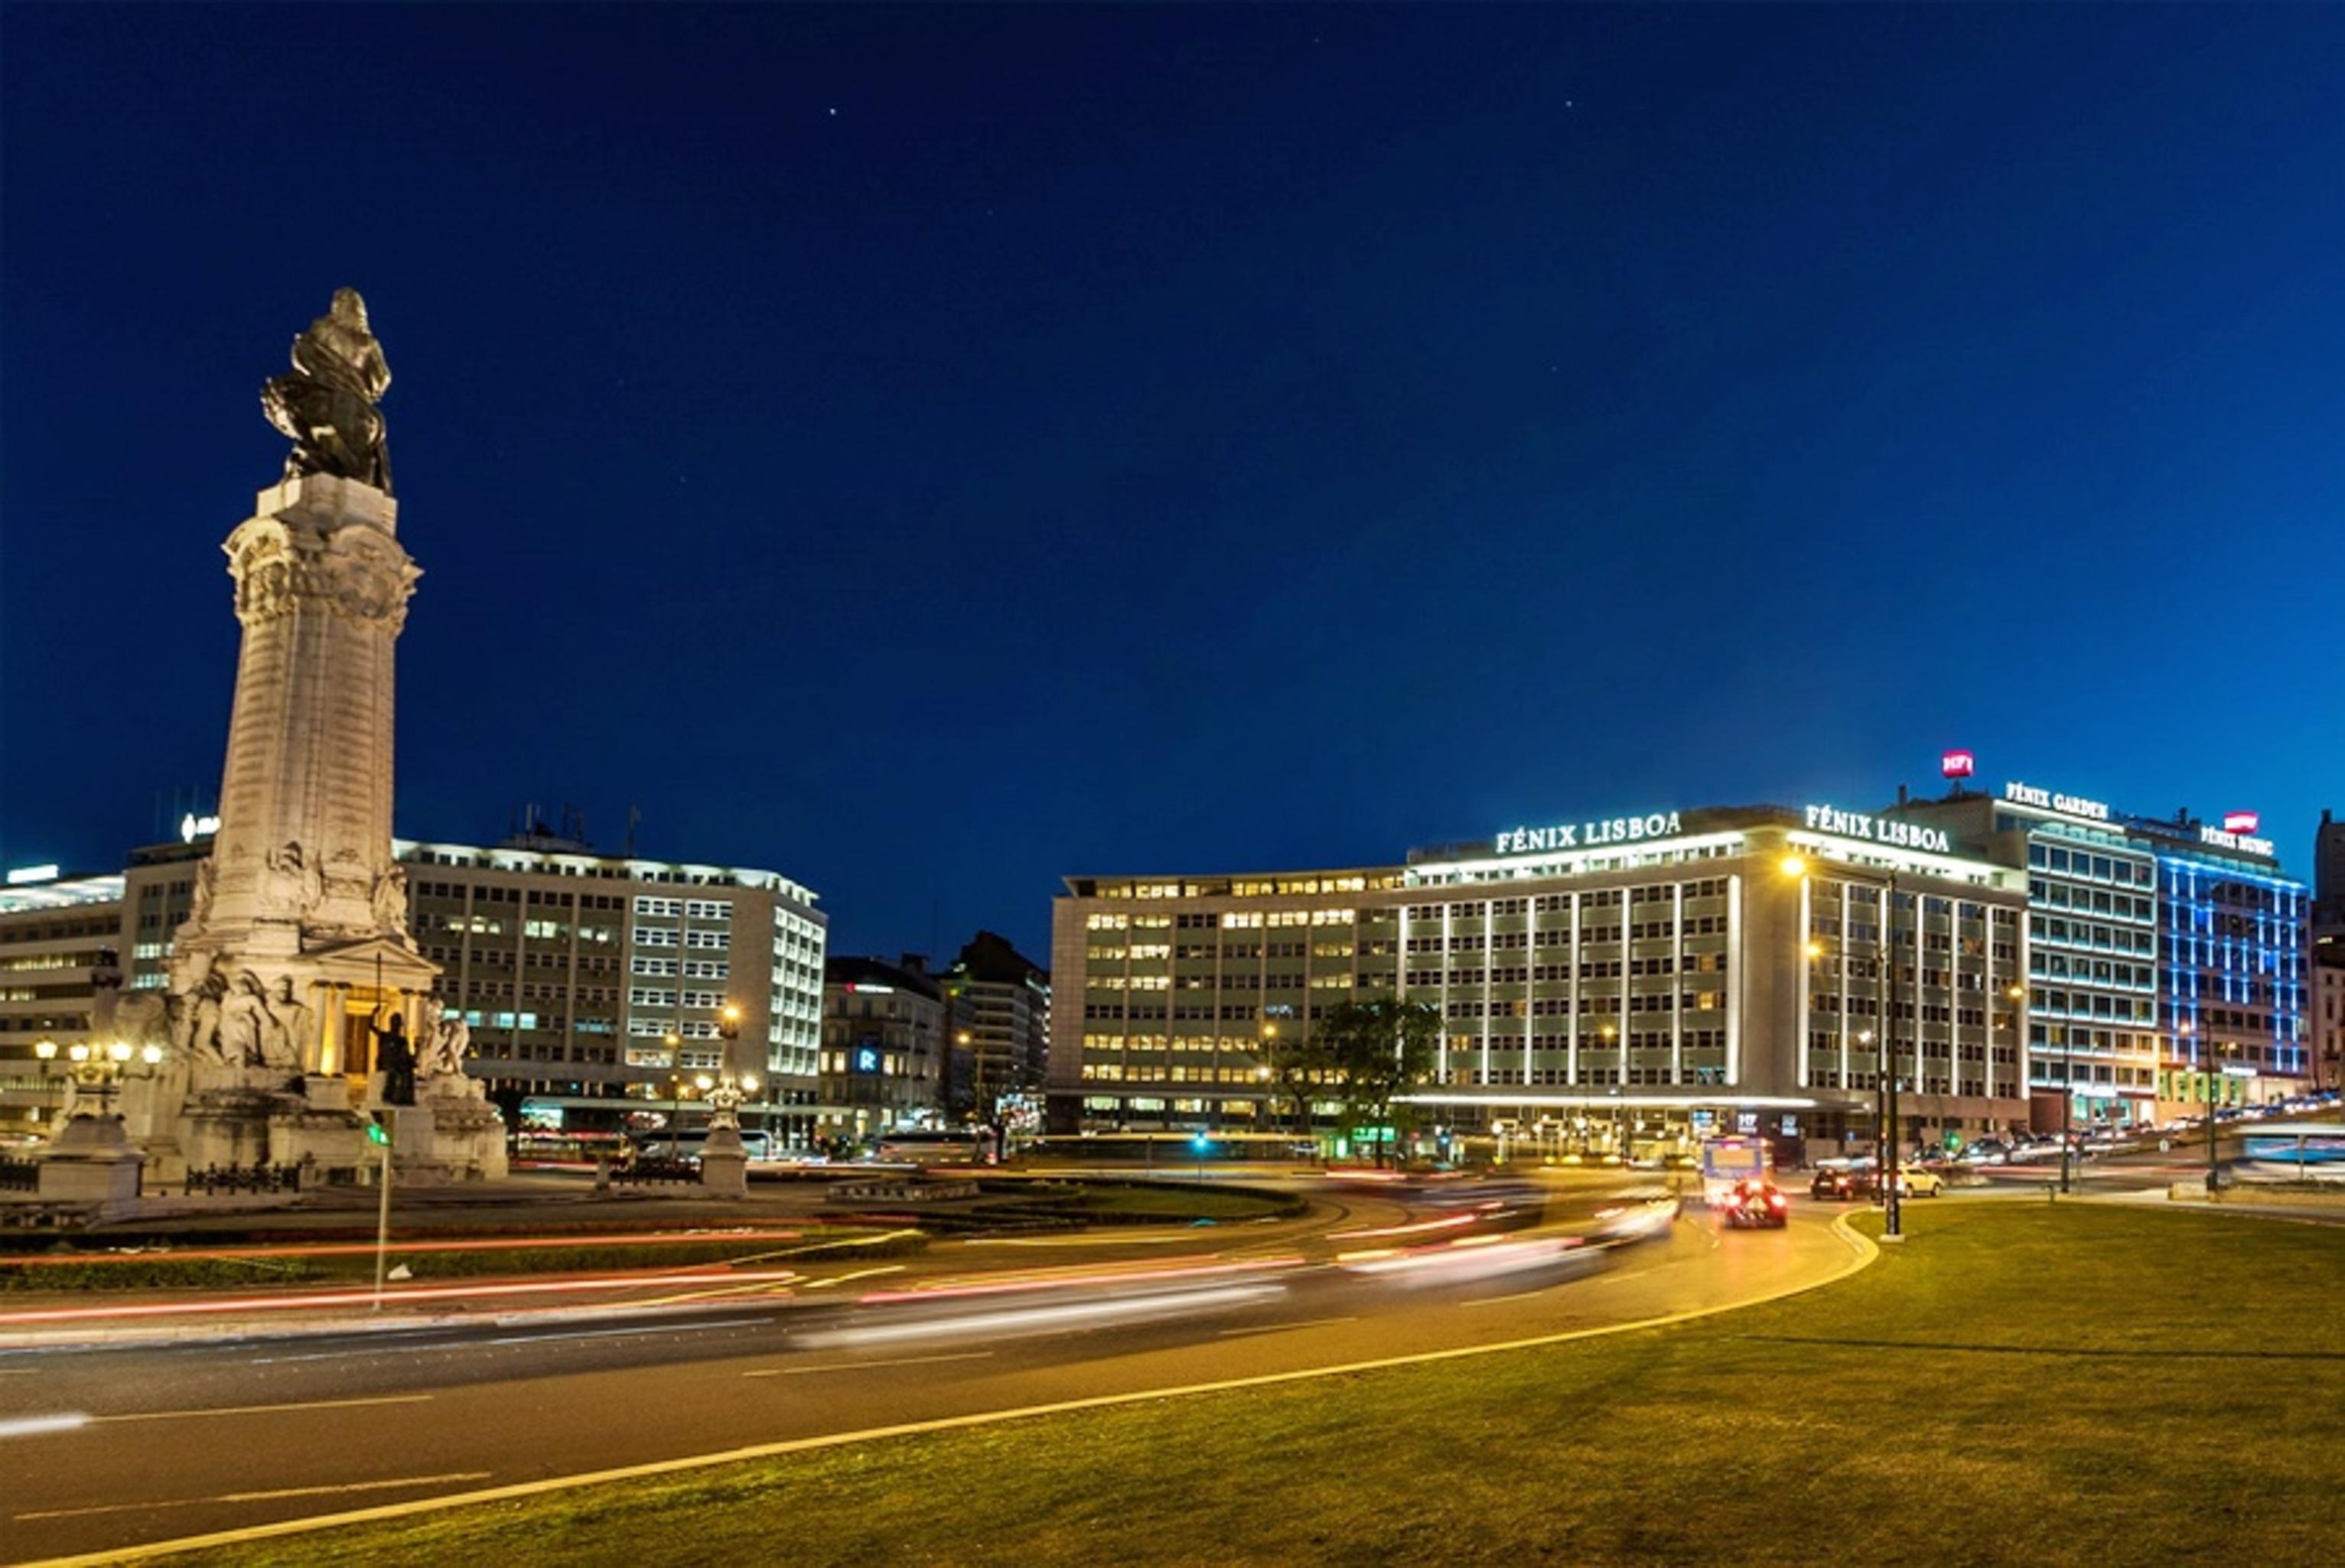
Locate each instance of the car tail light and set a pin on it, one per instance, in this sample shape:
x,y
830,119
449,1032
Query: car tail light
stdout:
x,y
1775,1201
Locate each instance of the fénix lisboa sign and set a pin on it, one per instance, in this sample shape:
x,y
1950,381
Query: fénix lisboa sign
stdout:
x,y
1885,830
1590,834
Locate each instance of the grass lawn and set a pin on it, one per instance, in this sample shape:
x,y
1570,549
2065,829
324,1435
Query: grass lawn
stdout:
x,y
2017,1384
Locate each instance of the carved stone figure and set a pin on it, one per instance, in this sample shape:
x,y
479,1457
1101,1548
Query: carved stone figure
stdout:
x,y
444,1051
390,901
195,1016
142,1019
292,1026
244,1021
296,883
199,912
327,405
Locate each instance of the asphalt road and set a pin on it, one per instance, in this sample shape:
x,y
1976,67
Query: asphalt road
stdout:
x,y
163,1441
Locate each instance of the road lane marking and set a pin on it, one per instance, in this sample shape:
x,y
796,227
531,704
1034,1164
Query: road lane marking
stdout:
x,y
1866,1254
858,1274
1493,1300
861,1366
1282,1328
622,1333
274,1496
35,1425
268,1410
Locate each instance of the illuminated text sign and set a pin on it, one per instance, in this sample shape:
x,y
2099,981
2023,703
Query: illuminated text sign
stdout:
x,y
2239,841
1590,834
2065,804
1882,830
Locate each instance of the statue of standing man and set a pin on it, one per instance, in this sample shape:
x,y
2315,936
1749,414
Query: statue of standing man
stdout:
x,y
327,405
395,1055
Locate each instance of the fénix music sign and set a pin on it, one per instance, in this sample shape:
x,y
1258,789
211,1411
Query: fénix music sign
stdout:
x,y
1590,834
1885,830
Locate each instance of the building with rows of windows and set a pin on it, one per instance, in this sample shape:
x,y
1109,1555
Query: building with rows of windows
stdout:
x,y
1621,983
588,981
2167,957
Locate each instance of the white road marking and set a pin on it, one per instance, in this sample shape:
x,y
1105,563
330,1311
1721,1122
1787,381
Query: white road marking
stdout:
x,y
1493,1300
34,1425
255,1496
615,1333
268,1410
861,1366
1282,1328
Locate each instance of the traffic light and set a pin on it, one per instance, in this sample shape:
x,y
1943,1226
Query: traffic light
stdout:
x,y
376,1131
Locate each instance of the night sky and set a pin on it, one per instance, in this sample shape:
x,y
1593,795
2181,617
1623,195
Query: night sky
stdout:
x,y
933,453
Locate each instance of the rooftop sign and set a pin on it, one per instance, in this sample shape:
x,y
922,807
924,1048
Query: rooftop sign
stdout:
x,y
2065,804
1888,831
25,874
2244,844
1590,834
1957,764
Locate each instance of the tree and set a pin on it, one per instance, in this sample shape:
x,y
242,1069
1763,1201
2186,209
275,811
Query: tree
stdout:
x,y
1378,1049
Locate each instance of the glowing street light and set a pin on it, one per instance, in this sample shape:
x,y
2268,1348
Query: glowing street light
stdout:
x,y
1885,1095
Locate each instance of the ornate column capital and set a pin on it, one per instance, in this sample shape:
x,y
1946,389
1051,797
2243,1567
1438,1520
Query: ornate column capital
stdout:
x,y
355,572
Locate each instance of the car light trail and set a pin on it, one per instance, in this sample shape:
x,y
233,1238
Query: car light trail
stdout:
x,y
1046,1319
1444,1223
1050,1281
367,1298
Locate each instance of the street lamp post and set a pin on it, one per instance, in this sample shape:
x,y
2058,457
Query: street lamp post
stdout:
x,y
676,1092
1607,1032
1885,1094
2214,1073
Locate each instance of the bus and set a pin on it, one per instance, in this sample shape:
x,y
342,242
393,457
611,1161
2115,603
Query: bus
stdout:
x,y
2306,1152
956,1146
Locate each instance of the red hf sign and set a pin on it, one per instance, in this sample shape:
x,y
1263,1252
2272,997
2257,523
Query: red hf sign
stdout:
x,y
1957,764
2241,822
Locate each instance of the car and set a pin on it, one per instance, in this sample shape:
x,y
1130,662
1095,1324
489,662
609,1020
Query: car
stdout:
x,y
1840,1183
1915,1183
1753,1203
1835,1184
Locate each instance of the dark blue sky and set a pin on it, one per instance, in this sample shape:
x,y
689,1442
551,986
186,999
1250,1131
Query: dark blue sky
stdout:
x,y
930,452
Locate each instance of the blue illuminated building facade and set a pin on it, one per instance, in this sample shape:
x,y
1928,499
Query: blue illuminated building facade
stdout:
x,y
2168,959
2234,994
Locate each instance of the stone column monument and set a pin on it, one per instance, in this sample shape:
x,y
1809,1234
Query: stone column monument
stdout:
x,y
296,960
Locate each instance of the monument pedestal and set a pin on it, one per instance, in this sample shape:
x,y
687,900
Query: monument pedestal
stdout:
x,y
90,1161
725,1164
225,1126
468,1135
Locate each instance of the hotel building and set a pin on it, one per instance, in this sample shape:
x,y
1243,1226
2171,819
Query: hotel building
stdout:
x,y
2092,944
2164,955
2234,982
1649,976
